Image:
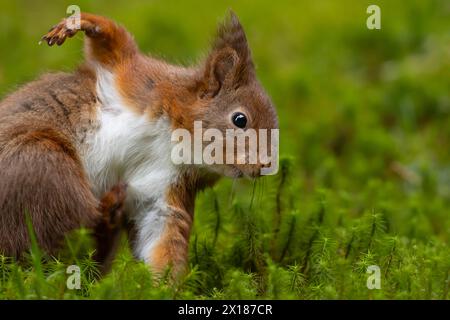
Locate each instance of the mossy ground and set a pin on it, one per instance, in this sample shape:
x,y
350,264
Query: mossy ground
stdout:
x,y
365,163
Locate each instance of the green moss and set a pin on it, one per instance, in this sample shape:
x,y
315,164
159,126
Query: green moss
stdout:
x,y
364,176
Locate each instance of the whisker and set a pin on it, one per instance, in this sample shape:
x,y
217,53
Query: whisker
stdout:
x,y
261,189
233,187
253,193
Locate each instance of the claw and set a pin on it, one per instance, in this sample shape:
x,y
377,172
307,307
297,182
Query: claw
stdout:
x,y
43,38
60,41
58,34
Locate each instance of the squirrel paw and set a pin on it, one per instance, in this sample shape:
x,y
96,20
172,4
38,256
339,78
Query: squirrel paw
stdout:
x,y
59,33
112,205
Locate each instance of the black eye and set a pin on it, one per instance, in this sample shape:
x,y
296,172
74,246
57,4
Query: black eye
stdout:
x,y
239,119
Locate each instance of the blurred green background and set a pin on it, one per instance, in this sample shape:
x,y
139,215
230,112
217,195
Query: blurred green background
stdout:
x,y
364,126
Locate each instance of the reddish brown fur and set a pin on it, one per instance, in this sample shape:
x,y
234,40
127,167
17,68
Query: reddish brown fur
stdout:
x,y
108,229
44,124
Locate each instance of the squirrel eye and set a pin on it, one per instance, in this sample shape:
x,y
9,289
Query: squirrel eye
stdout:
x,y
239,119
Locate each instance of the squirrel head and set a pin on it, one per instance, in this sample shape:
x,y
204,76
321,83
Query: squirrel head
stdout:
x,y
234,98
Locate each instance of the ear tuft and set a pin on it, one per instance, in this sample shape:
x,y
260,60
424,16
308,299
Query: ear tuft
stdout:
x,y
231,34
229,64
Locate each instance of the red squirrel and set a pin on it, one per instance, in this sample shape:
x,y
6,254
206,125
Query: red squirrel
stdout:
x,y
78,147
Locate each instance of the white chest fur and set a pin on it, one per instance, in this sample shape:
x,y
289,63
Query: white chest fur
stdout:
x,y
134,149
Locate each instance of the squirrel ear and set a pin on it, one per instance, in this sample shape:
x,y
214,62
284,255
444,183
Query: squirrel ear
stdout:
x,y
230,61
231,34
220,70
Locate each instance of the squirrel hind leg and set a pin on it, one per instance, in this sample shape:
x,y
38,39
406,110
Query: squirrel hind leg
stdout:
x,y
42,177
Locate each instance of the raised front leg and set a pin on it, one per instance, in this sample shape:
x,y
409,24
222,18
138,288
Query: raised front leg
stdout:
x,y
108,43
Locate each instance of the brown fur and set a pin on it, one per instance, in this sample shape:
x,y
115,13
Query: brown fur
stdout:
x,y
41,173
108,228
43,126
